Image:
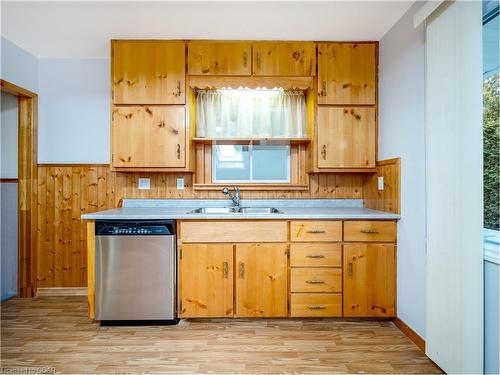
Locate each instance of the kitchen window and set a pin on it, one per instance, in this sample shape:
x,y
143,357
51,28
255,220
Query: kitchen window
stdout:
x,y
251,131
251,163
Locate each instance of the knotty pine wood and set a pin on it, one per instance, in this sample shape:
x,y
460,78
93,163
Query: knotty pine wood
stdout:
x,y
67,191
389,199
56,332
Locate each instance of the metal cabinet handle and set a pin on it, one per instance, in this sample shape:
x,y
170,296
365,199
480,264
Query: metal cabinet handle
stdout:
x,y
245,58
323,89
315,256
242,270
178,151
179,91
257,59
369,231
316,231
315,281
323,152
225,267
349,270
316,307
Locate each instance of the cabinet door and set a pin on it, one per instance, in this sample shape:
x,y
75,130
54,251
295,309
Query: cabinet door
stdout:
x,y
152,137
369,280
346,137
261,280
148,72
284,59
347,73
219,58
206,285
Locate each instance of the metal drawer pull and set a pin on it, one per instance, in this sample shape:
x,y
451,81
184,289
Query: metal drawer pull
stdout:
x,y
179,91
316,231
369,231
315,256
178,151
323,152
315,282
316,307
226,269
349,271
242,270
257,58
245,58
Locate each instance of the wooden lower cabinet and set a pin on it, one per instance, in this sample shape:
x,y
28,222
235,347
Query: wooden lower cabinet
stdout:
x,y
261,280
206,281
369,280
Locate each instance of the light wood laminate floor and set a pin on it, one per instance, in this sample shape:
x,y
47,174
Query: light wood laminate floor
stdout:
x,y
55,331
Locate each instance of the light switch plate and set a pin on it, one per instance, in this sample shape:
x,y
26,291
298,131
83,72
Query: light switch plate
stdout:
x,y
380,182
180,183
144,184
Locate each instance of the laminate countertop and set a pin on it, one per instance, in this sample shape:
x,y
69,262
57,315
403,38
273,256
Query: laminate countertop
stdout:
x,y
179,209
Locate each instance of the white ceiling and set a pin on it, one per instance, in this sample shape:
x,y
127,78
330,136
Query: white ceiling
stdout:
x,y
76,29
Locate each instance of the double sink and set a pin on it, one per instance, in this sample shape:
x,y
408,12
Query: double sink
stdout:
x,y
235,210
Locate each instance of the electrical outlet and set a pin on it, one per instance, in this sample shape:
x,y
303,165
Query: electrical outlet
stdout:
x,y
380,181
180,183
144,184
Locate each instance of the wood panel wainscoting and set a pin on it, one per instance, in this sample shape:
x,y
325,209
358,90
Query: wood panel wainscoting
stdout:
x,y
67,191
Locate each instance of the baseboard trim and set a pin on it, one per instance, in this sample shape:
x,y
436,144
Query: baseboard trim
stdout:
x,y
61,292
412,335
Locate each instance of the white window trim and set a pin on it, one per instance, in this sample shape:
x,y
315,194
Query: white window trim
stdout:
x,y
251,180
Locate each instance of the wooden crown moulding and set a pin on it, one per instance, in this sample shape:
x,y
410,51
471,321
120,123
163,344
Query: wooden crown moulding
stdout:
x,y
252,82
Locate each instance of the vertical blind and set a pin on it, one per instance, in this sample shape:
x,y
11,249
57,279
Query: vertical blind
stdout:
x,y
453,127
250,113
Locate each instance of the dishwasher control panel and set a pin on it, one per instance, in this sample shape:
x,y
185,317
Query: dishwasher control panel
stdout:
x,y
132,228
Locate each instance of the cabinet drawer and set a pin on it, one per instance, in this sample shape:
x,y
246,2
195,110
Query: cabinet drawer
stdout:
x,y
316,254
316,280
302,231
370,231
233,231
315,304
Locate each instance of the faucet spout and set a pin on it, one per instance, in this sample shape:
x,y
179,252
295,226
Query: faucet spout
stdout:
x,y
235,197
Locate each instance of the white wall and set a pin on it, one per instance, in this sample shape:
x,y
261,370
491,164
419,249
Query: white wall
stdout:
x,y
401,134
8,135
74,115
18,66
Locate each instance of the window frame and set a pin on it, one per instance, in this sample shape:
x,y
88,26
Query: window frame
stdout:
x,y
251,180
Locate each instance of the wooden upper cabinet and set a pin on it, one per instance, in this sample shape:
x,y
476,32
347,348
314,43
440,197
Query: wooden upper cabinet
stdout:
x,y
369,280
284,58
346,137
148,136
206,280
347,73
261,280
148,72
219,58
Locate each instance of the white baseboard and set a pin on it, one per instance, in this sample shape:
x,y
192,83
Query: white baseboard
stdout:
x,y
61,292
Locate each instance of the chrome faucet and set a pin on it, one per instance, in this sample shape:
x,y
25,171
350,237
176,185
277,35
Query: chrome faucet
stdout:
x,y
235,197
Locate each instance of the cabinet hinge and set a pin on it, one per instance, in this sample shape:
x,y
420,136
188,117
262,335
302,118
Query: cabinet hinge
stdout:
x,y
288,251
112,158
180,252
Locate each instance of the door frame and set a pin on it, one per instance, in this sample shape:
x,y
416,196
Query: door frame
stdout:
x,y
27,187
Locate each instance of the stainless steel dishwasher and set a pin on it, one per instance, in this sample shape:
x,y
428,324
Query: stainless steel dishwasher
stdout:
x,y
135,277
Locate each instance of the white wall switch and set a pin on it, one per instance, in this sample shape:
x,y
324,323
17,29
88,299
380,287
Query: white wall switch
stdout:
x,y
144,184
380,181
180,183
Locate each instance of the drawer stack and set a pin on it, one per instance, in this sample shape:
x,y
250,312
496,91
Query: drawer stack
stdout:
x,y
315,268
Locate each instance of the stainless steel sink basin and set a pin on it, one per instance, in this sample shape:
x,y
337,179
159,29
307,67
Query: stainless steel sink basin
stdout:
x,y
235,210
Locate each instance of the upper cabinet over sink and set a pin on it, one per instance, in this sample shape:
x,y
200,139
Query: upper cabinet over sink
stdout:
x,y
220,58
148,72
284,58
347,73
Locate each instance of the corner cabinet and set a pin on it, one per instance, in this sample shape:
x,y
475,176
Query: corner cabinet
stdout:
x,y
148,137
